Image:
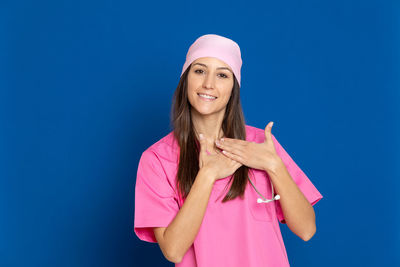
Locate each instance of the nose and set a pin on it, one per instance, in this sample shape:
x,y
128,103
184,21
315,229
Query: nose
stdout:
x,y
208,82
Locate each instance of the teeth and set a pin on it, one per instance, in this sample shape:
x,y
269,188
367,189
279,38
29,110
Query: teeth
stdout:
x,y
207,96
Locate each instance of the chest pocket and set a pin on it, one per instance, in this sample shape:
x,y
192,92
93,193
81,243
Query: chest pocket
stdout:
x,y
260,211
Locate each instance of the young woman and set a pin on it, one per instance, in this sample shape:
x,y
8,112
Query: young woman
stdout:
x,y
212,191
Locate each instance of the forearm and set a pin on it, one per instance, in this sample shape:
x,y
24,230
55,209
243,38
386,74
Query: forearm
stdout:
x,y
182,231
298,212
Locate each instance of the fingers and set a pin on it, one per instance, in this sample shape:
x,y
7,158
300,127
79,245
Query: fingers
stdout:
x,y
237,163
233,163
216,151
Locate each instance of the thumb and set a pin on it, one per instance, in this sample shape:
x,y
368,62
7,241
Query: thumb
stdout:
x,y
267,131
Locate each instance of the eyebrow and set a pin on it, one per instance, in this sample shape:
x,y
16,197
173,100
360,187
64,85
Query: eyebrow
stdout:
x,y
220,68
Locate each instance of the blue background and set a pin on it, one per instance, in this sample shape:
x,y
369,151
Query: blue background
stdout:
x,y
86,86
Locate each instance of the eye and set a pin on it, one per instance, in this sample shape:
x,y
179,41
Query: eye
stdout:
x,y
197,71
201,71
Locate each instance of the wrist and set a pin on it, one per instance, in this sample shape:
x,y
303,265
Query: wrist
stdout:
x,y
275,166
208,174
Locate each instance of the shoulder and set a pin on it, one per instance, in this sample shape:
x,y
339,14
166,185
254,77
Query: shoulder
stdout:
x,y
255,134
166,148
158,162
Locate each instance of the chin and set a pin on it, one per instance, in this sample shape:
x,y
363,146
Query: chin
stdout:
x,y
206,111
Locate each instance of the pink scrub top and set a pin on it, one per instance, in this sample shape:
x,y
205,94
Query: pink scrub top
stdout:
x,y
240,232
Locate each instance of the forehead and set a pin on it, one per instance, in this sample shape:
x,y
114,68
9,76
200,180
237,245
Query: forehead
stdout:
x,y
211,61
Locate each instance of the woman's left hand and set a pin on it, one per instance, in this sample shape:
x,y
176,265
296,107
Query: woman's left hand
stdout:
x,y
260,156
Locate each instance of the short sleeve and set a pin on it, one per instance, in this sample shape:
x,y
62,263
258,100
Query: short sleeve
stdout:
x,y
155,201
299,177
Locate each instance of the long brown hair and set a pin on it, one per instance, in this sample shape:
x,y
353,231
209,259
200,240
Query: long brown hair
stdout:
x,y
233,126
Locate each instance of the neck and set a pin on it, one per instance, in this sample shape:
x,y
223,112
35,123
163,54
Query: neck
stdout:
x,y
208,125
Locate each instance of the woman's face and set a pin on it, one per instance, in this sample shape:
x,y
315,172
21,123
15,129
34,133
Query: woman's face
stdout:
x,y
210,76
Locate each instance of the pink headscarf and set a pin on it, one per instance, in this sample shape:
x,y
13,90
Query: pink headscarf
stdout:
x,y
213,45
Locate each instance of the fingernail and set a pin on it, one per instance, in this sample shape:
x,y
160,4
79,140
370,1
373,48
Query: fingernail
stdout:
x,y
201,136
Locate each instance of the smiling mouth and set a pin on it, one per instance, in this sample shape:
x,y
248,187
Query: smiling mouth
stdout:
x,y
206,97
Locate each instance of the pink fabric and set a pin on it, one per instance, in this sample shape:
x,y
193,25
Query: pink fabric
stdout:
x,y
236,233
213,45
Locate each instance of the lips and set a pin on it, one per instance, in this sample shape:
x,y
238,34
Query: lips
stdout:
x,y
206,99
206,94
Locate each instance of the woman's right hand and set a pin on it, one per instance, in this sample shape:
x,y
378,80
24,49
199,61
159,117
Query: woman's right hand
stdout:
x,y
219,164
